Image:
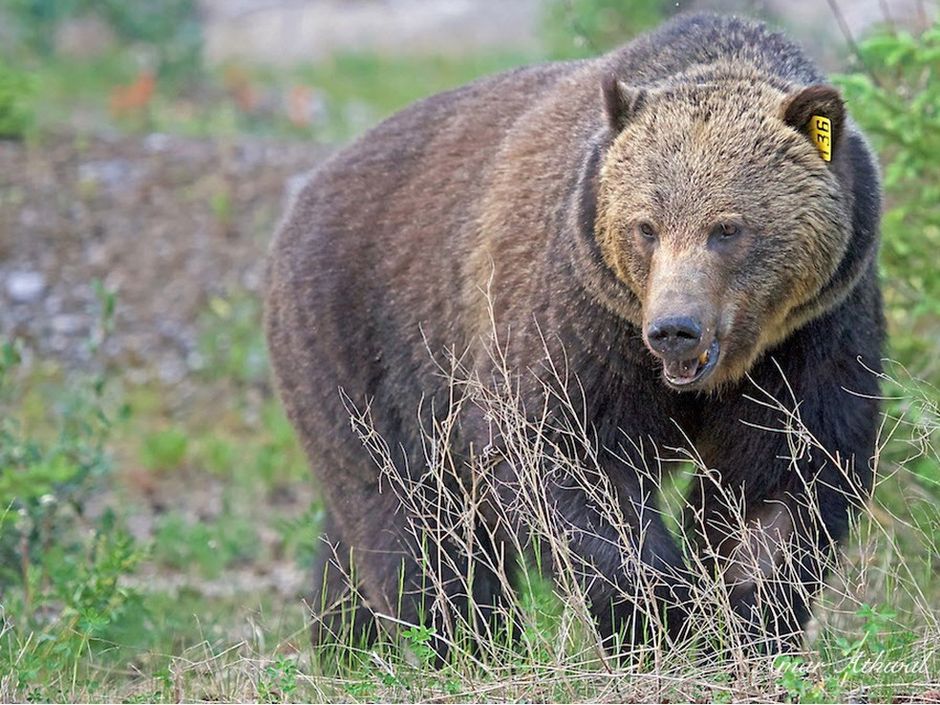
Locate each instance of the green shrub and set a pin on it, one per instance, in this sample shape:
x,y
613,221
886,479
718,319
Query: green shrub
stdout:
x,y
165,449
60,569
45,480
278,681
898,106
16,117
67,606
897,102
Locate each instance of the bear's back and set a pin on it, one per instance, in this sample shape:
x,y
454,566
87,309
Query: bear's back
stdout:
x,y
701,40
367,262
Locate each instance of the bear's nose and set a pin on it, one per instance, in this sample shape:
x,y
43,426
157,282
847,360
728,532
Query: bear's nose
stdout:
x,y
674,336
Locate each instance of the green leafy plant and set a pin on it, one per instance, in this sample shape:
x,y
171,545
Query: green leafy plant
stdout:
x,y
896,100
278,681
61,569
897,103
16,90
876,658
165,449
43,480
418,640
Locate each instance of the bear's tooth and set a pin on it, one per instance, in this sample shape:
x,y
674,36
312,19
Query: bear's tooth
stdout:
x,y
703,358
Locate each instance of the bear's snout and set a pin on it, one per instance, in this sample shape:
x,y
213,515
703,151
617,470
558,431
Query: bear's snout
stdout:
x,y
687,348
674,336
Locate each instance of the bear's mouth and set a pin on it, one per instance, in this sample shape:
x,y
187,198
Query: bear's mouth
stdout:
x,y
682,374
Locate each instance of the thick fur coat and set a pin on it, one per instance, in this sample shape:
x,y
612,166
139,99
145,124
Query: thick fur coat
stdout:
x,y
564,211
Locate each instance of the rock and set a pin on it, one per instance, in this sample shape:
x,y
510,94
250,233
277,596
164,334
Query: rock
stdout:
x,y
25,287
68,324
115,175
29,218
157,142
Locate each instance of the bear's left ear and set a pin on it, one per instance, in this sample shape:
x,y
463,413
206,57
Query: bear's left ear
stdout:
x,y
621,102
819,113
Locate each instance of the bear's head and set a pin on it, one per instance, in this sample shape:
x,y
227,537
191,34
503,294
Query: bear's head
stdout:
x,y
720,210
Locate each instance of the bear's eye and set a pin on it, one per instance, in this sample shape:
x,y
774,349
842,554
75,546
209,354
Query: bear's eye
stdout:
x,y
647,231
726,231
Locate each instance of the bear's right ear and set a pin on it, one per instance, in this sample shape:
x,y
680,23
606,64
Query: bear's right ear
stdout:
x,y
621,102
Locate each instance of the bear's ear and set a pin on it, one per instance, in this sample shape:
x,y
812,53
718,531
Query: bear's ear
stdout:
x,y
818,112
621,102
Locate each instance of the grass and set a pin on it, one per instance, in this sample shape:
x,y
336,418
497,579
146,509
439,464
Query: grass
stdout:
x,y
196,617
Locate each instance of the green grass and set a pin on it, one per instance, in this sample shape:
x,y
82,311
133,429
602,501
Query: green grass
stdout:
x,y
164,449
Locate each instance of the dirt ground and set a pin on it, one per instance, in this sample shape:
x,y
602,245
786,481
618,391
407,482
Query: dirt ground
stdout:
x,y
166,222
169,224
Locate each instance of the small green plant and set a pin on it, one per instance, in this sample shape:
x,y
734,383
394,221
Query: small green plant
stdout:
x,y
418,640
231,340
218,455
793,678
278,681
16,89
363,689
61,569
165,449
44,480
877,660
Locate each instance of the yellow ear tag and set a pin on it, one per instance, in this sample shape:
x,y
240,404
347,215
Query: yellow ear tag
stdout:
x,y
820,131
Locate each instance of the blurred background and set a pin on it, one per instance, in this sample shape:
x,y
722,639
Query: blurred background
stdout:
x,y
155,511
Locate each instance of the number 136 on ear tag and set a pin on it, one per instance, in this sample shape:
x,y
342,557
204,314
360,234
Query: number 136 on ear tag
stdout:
x,y
820,130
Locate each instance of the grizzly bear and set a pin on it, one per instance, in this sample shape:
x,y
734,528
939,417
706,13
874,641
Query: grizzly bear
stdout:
x,y
684,233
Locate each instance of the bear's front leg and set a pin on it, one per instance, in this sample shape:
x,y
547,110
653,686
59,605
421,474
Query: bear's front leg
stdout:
x,y
608,536
788,462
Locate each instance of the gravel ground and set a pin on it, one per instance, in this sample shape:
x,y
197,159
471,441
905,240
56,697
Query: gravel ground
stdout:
x,y
166,222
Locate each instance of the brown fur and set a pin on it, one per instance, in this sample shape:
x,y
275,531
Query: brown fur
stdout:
x,y
510,208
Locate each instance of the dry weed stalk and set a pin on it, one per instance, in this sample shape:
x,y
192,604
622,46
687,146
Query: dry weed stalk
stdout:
x,y
457,501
